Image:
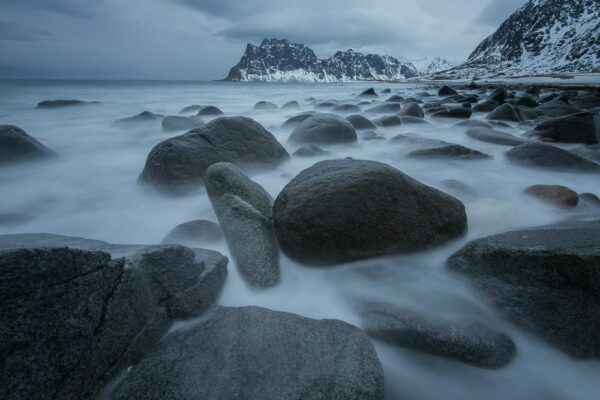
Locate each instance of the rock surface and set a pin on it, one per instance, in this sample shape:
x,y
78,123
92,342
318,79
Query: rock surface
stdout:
x,y
196,233
344,210
549,157
554,194
17,146
577,128
490,135
244,210
324,129
64,103
254,353
175,166
360,122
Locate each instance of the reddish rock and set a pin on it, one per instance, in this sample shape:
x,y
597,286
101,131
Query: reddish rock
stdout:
x,y
554,194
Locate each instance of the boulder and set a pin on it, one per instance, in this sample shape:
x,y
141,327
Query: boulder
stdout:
x,y
449,151
412,110
498,95
177,123
459,339
325,105
210,111
64,103
359,122
527,101
255,353
346,109
473,123
490,135
369,93
586,101
555,108
557,195
386,108
575,128
504,112
296,120
194,233
453,113
539,155
141,118
371,135
244,210
344,210
486,106
395,98
190,109
176,165
312,150
545,280
324,129
446,91
291,105
387,121
409,120
17,146
265,105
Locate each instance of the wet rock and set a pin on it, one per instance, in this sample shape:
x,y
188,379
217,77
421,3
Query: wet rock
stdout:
x,y
190,109
369,93
575,128
371,135
64,103
176,123
490,135
586,101
395,98
244,210
278,356
324,129
311,150
527,101
453,113
346,109
295,120
555,108
467,341
344,210
450,151
446,91
196,233
544,279
143,117
325,105
591,152
486,106
175,166
498,95
291,105
505,112
412,110
554,194
473,123
210,111
387,121
265,106
539,155
386,108
386,91
17,146
359,122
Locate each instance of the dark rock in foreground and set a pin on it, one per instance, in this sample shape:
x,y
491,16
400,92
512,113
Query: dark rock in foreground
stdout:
x,y
17,146
344,210
194,233
576,128
538,155
544,279
244,210
176,165
254,353
462,340
324,129
64,103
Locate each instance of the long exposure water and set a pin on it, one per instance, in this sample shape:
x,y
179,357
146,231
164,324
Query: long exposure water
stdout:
x,y
91,191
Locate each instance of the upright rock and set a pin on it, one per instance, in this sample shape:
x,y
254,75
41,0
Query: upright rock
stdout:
x,y
244,210
17,146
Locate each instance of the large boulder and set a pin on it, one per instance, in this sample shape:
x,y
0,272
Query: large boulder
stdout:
x,y
456,338
344,210
491,135
556,108
176,165
291,105
311,150
254,353
557,195
498,95
324,128
575,128
412,110
505,112
265,106
244,210
71,319
296,120
539,155
544,279
17,146
210,111
194,233
359,122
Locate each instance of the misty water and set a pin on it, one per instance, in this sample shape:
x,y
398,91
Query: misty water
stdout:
x,y
92,191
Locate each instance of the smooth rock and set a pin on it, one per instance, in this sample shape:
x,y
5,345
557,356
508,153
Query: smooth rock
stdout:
x,y
311,150
210,111
554,194
265,105
575,128
17,146
490,135
359,122
324,129
196,233
143,117
539,155
64,103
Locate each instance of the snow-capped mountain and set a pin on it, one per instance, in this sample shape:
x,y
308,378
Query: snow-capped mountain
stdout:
x,y
281,60
429,66
543,36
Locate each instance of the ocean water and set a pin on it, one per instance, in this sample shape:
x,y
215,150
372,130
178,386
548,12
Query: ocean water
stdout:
x,y
92,191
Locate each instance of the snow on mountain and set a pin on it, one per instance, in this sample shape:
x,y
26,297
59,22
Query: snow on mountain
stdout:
x,y
429,66
543,36
281,60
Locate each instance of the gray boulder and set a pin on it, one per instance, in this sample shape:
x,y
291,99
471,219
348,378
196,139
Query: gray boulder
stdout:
x,y
498,95
324,128
175,166
539,155
544,279
412,110
591,152
193,108
504,112
447,91
387,121
486,106
449,151
359,122
344,210
453,113
244,210
194,233
575,128
144,117
555,108
265,106
296,120
346,109
210,111
17,146
456,338
291,105
254,353
386,108
490,135
312,150
173,123
64,103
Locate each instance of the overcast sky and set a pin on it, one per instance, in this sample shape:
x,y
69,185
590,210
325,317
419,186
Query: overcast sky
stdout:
x,y
202,39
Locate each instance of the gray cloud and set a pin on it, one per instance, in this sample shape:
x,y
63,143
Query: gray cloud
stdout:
x,y
76,8
11,31
498,10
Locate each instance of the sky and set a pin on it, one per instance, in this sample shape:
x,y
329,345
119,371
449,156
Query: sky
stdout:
x,y
203,39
